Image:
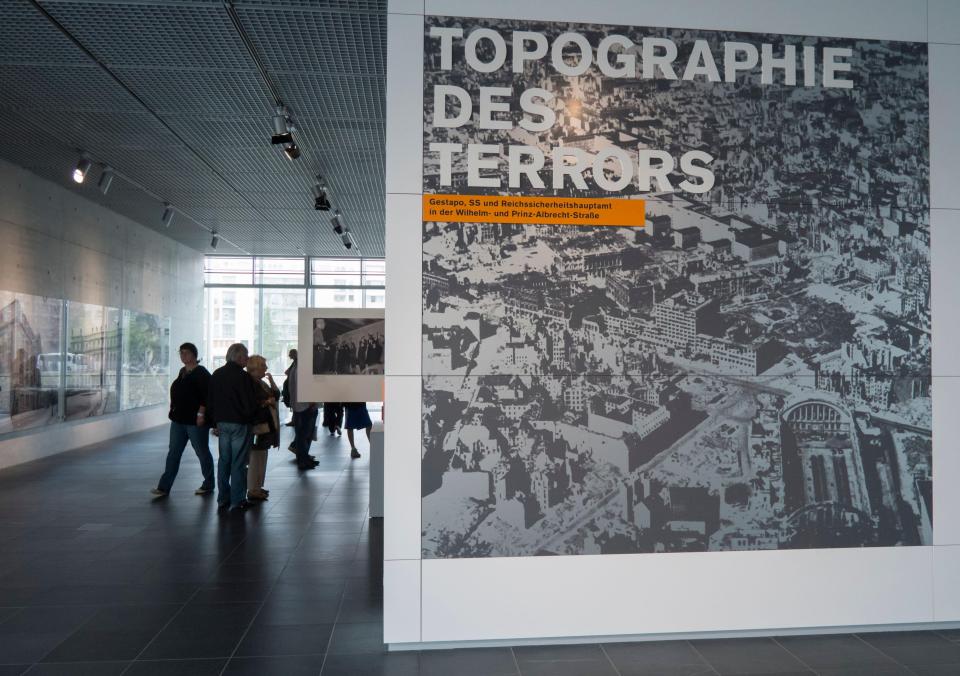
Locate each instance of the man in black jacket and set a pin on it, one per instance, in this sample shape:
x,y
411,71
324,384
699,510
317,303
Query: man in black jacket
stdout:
x,y
232,406
188,403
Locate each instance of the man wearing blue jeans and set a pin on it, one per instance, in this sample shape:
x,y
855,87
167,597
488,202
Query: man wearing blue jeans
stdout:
x,y
231,406
188,403
235,441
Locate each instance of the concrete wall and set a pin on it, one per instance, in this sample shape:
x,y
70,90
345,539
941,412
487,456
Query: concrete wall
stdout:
x,y
58,244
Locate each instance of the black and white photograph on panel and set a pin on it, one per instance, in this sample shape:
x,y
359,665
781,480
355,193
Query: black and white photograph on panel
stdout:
x,y
347,346
750,370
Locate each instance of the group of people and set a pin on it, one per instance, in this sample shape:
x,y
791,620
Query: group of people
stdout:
x,y
350,356
239,402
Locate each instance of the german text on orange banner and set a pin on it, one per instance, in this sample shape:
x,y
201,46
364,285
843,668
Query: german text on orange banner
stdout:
x,y
534,210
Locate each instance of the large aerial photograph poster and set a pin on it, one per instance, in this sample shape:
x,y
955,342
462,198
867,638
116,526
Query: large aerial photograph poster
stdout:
x,y
749,369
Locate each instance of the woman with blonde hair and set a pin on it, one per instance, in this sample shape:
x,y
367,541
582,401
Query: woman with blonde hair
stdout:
x,y
266,429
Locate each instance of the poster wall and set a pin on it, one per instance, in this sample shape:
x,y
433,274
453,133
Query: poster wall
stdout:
x,y
747,369
111,360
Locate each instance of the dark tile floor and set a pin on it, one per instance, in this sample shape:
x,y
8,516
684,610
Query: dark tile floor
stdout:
x,y
98,579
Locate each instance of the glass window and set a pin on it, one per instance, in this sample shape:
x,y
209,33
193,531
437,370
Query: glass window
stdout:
x,y
374,272
243,308
279,328
265,317
30,361
335,272
373,298
92,360
279,271
145,365
340,298
228,270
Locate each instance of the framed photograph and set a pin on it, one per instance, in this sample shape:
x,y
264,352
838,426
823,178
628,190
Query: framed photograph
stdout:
x,y
340,354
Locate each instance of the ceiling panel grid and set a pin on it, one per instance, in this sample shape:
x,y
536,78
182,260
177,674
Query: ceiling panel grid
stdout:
x,y
186,63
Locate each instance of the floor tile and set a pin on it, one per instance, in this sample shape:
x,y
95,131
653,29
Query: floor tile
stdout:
x,y
747,656
351,639
468,662
300,611
202,632
210,667
568,668
386,664
937,670
78,669
33,632
113,633
263,640
290,665
915,649
834,652
654,658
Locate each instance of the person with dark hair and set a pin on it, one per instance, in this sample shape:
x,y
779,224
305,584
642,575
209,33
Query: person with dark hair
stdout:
x,y
333,417
188,403
232,406
357,419
304,423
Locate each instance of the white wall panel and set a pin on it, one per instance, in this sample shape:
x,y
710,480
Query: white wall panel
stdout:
x,y
946,461
401,491
944,131
401,602
541,597
404,104
404,304
877,19
944,283
946,584
943,23
489,599
405,7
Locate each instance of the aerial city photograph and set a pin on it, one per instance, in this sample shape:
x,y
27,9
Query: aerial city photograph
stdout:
x,y
749,370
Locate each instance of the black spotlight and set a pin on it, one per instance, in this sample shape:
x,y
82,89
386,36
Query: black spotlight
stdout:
x,y
337,222
284,137
292,150
106,178
214,241
321,203
347,241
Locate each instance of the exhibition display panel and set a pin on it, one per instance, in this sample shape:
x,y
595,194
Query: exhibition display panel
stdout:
x,y
665,343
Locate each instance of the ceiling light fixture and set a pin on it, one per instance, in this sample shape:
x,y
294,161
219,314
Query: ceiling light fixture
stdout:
x,y
106,178
215,241
347,240
292,150
83,166
337,221
167,217
281,126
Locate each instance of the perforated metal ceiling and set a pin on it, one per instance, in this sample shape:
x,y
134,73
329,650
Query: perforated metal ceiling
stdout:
x,y
190,118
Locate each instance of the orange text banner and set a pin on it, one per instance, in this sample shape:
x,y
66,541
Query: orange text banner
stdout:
x,y
533,210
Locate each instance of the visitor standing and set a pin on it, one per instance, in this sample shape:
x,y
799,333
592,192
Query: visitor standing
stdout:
x,y
231,406
304,423
266,431
357,419
188,404
333,417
